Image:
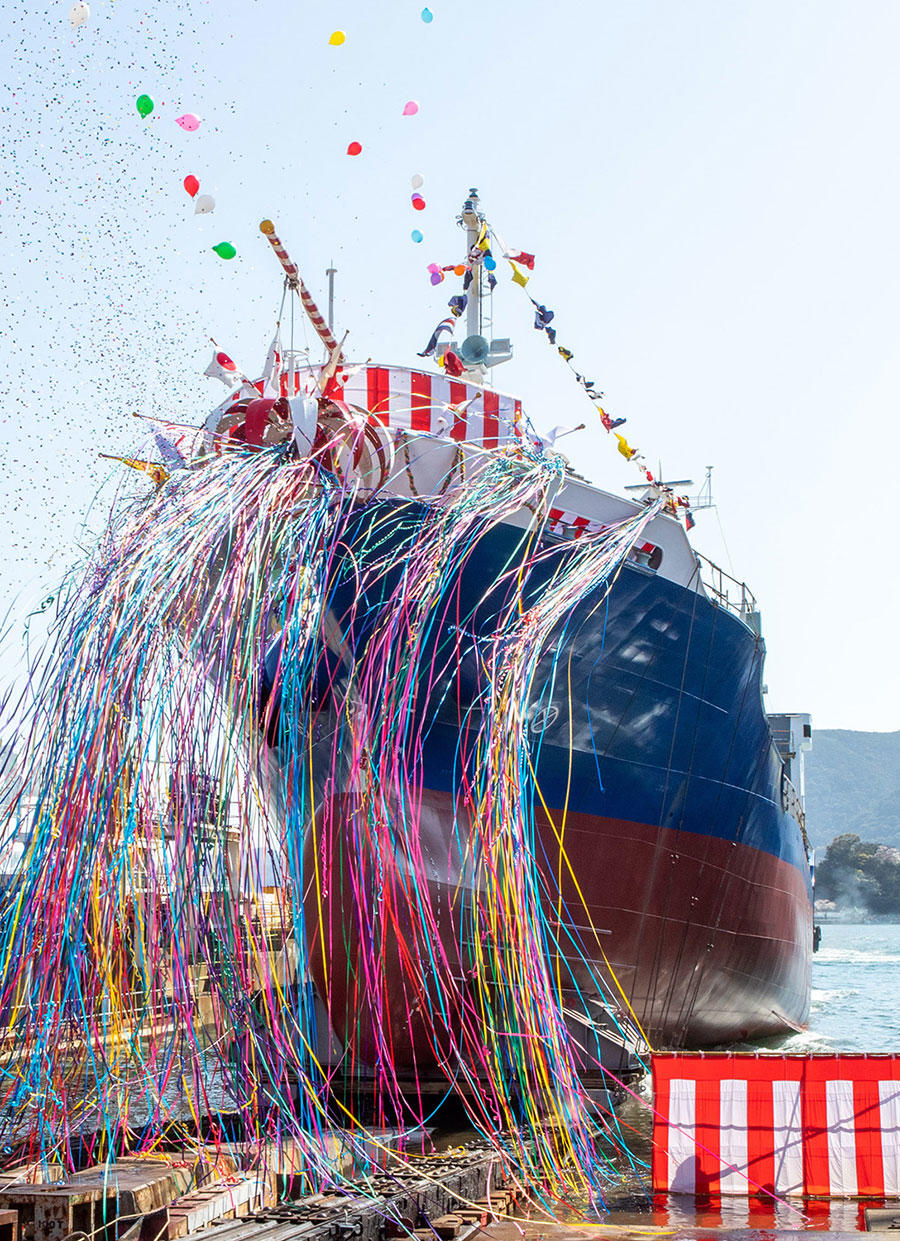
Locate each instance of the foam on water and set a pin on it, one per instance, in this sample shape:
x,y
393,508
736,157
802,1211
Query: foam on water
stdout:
x,y
856,956
856,988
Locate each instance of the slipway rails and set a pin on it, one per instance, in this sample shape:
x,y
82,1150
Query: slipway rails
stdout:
x,y
438,1197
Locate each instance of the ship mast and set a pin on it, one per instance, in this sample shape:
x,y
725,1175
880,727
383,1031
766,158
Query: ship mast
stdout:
x,y
472,220
477,352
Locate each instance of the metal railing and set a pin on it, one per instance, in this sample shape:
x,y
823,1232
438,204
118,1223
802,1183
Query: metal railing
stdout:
x,y
725,589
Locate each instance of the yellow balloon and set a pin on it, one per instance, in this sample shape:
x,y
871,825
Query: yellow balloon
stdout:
x,y
337,38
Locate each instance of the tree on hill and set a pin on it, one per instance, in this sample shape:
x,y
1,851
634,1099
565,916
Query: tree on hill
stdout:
x,y
860,874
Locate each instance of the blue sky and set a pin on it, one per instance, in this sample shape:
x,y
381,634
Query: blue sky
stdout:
x,y
711,191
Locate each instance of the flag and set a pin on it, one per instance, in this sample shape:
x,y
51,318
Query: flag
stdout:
x,y
158,473
542,316
624,447
518,276
169,451
689,522
527,260
453,364
304,419
222,367
445,325
458,303
272,369
176,441
557,432
565,353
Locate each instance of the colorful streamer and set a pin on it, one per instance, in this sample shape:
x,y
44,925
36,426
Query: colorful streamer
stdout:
x,y
221,801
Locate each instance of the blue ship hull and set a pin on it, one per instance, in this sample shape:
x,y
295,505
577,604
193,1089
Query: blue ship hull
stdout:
x,y
654,757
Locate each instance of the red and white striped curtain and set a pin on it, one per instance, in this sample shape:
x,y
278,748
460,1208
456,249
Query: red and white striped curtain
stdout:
x,y
733,1123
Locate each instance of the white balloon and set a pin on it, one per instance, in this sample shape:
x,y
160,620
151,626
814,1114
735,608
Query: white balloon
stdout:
x,y
78,14
205,203
417,181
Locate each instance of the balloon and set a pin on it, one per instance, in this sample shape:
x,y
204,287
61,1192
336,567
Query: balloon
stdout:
x,y
188,122
410,108
437,277
418,202
433,268
225,250
427,15
337,38
78,14
144,105
416,235
459,269
191,184
205,204
490,263
355,148
417,181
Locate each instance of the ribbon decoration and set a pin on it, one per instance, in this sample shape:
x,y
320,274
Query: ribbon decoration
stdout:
x,y
151,719
481,254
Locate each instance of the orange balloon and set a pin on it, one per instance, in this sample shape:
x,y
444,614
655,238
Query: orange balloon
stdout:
x,y
459,269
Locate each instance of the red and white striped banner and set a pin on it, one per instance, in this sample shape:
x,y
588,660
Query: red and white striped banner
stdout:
x,y
730,1123
404,399
562,522
410,400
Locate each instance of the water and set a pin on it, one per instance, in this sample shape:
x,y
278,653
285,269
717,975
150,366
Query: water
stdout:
x,y
856,990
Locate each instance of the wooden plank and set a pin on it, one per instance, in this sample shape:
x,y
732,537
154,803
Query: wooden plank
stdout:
x,y
220,1201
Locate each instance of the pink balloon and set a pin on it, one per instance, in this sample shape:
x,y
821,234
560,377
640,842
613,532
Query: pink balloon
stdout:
x,y
433,268
410,108
188,122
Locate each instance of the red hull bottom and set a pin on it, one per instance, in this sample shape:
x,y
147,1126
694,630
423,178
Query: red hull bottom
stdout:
x,y
710,940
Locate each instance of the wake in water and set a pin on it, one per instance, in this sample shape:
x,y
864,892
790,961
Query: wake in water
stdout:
x,y
183,843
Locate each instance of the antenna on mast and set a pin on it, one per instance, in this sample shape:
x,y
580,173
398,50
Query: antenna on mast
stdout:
x,y
331,272
705,498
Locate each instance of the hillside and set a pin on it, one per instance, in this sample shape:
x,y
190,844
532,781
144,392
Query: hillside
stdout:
x,y
853,785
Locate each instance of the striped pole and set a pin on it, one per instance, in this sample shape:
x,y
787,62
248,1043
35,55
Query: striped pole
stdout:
x,y
267,228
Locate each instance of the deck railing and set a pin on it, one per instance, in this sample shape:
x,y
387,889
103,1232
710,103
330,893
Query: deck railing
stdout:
x,y
725,589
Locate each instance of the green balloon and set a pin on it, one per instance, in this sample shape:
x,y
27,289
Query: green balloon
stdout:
x,y
225,250
144,105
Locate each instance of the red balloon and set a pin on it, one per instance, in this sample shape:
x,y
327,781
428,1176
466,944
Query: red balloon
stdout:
x,y
191,184
418,202
355,148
